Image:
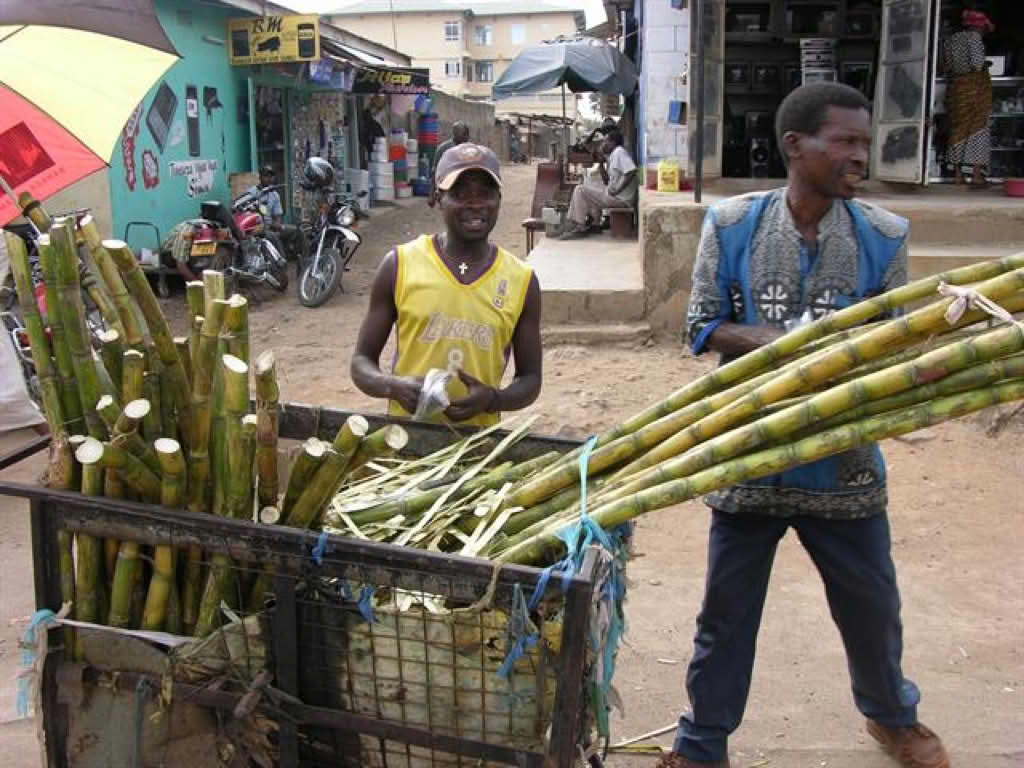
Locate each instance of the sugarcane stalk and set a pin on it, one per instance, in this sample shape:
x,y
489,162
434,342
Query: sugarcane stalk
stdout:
x,y
123,427
168,413
50,393
107,384
235,318
772,461
159,330
131,323
235,330
172,494
89,584
195,298
267,397
133,370
113,355
305,465
132,472
152,425
185,353
34,211
70,400
771,354
840,359
931,366
72,316
199,458
386,441
97,291
195,335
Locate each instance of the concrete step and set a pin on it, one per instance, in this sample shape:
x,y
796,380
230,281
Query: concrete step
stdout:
x,y
929,259
603,334
596,279
956,220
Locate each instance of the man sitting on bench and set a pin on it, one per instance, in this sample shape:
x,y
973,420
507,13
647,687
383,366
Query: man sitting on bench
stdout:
x,y
618,190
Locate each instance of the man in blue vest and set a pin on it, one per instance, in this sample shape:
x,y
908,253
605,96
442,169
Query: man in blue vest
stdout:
x,y
767,261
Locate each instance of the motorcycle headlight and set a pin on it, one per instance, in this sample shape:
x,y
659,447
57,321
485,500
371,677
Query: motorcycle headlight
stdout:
x,y
346,217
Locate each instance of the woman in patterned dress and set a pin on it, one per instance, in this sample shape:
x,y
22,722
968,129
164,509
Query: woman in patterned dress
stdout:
x,y
968,97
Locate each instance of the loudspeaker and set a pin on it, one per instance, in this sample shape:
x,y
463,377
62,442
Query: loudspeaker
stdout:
x,y
760,157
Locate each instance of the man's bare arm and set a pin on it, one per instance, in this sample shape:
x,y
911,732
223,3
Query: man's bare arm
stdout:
x,y
733,340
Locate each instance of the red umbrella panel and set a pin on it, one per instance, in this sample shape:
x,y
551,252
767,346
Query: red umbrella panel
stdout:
x,y
36,154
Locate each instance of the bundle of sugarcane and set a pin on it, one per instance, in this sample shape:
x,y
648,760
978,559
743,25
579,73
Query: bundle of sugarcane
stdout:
x,y
843,381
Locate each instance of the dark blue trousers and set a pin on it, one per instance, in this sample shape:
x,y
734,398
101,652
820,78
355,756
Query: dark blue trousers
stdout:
x,y
855,564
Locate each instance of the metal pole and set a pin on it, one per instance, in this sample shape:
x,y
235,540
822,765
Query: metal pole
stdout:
x,y
698,163
565,131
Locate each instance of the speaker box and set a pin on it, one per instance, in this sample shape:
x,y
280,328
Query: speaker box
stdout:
x,y
760,157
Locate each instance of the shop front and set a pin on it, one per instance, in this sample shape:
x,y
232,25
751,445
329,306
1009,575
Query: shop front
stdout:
x,y
756,51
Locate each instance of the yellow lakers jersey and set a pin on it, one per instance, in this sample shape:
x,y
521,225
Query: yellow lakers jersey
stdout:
x,y
445,324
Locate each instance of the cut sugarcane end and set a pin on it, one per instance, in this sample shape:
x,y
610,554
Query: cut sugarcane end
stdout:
x,y
250,419
178,340
104,402
109,336
77,440
114,245
133,353
164,444
90,451
44,240
237,300
270,515
137,409
358,425
315,447
235,365
264,363
397,438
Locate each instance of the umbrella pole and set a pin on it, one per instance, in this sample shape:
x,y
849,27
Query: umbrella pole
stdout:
x,y
565,131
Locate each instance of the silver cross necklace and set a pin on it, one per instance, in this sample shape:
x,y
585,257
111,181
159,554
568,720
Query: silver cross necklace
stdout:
x,y
463,268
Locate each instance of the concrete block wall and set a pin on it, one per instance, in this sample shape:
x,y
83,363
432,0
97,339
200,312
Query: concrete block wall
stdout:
x,y
479,116
669,234
665,45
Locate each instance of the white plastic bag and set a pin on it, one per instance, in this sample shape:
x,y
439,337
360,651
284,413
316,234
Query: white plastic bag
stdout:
x,y
434,394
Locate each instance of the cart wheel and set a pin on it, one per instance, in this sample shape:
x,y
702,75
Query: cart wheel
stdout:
x,y
595,761
162,288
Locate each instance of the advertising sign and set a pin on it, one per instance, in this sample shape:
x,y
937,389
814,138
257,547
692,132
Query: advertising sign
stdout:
x,y
369,79
273,39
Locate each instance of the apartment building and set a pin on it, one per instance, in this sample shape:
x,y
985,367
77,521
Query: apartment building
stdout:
x,y
466,46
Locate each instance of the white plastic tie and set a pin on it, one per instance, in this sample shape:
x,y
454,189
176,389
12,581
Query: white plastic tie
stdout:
x,y
963,298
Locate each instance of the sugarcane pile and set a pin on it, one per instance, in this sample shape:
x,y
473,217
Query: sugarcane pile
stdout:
x,y
166,421
845,380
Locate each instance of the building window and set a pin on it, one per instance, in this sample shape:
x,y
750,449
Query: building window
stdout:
x,y
453,68
452,30
485,71
517,34
484,34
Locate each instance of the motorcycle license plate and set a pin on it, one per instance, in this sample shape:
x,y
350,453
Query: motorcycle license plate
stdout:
x,y
351,236
204,249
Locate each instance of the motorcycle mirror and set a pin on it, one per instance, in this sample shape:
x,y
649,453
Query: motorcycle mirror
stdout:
x,y
362,193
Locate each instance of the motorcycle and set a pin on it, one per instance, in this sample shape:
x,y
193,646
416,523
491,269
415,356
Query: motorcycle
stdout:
x,y
237,242
334,242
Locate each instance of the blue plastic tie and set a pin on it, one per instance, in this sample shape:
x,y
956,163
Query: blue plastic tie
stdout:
x,y
518,631
41,620
320,548
366,603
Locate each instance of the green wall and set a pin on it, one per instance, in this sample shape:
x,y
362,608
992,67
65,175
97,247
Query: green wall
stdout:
x,y
222,136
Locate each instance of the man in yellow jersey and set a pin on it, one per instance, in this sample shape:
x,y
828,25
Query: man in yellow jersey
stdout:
x,y
458,302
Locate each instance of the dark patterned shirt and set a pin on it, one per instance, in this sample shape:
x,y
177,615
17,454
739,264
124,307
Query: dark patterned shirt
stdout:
x,y
782,279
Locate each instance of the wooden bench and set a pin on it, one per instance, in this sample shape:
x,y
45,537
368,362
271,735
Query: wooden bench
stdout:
x,y
546,189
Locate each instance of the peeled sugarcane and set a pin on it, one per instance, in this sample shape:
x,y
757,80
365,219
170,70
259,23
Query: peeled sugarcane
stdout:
x,y
159,330
763,358
172,494
131,323
267,397
302,470
89,582
152,425
768,462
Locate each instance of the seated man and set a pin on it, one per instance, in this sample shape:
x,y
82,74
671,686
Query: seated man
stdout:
x,y
618,190
293,244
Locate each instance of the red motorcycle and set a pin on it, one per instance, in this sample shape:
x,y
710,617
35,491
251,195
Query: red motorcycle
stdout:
x,y
238,243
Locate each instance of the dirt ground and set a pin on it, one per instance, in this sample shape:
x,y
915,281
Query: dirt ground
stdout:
x,y
957,524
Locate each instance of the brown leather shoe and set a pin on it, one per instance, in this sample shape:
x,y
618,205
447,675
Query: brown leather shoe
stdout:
x,y
675,760
914,746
